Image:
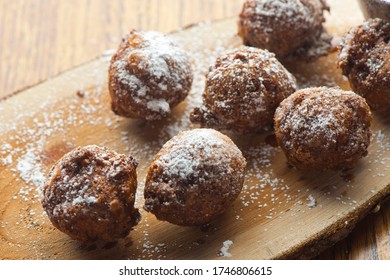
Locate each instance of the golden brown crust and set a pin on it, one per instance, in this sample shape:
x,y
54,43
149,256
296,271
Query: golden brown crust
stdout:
x,y
243,90
90,192
291,29
323,128
148,76
365,59
194,177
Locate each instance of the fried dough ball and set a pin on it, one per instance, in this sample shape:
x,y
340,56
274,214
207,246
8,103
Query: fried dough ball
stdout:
x,y
292,29
194,178
323,128
90,192
365,59
148,76
243,90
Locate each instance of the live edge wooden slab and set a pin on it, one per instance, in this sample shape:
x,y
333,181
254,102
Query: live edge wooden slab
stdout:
x,y
281,213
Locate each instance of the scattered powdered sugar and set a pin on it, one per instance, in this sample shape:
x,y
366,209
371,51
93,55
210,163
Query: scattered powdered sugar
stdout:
x,y
347,42
320,124
267,67
363,45
76,190
156,47
374,64
312,201
131,81
29,170
253,74
381,140
158,105
84,200
35,141
189,152
317,118
263,23
292,10
77,194
180,163
224,251
156,57
7,160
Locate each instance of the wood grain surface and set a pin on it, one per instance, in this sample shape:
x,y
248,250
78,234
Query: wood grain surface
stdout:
x,y
39,39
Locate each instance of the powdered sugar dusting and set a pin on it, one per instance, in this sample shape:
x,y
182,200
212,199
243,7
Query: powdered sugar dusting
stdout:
x,y
317,117
364,45
242,91
149,64
374,64
347,44
29,170
158,105
263,24
224,251
186,152
312,201
292,10
83,200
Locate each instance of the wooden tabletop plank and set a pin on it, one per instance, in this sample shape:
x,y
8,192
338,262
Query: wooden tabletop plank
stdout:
x,y
39,39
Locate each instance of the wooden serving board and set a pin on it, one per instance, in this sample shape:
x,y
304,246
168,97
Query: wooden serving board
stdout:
x,y
281,212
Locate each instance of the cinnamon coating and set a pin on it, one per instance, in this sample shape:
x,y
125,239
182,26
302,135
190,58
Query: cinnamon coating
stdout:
x,y
323,128
194,178
148,76
90,192
365,59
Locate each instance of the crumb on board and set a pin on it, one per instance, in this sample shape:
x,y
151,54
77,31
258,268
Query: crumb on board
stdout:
x,y
312,201
80,93
224,251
